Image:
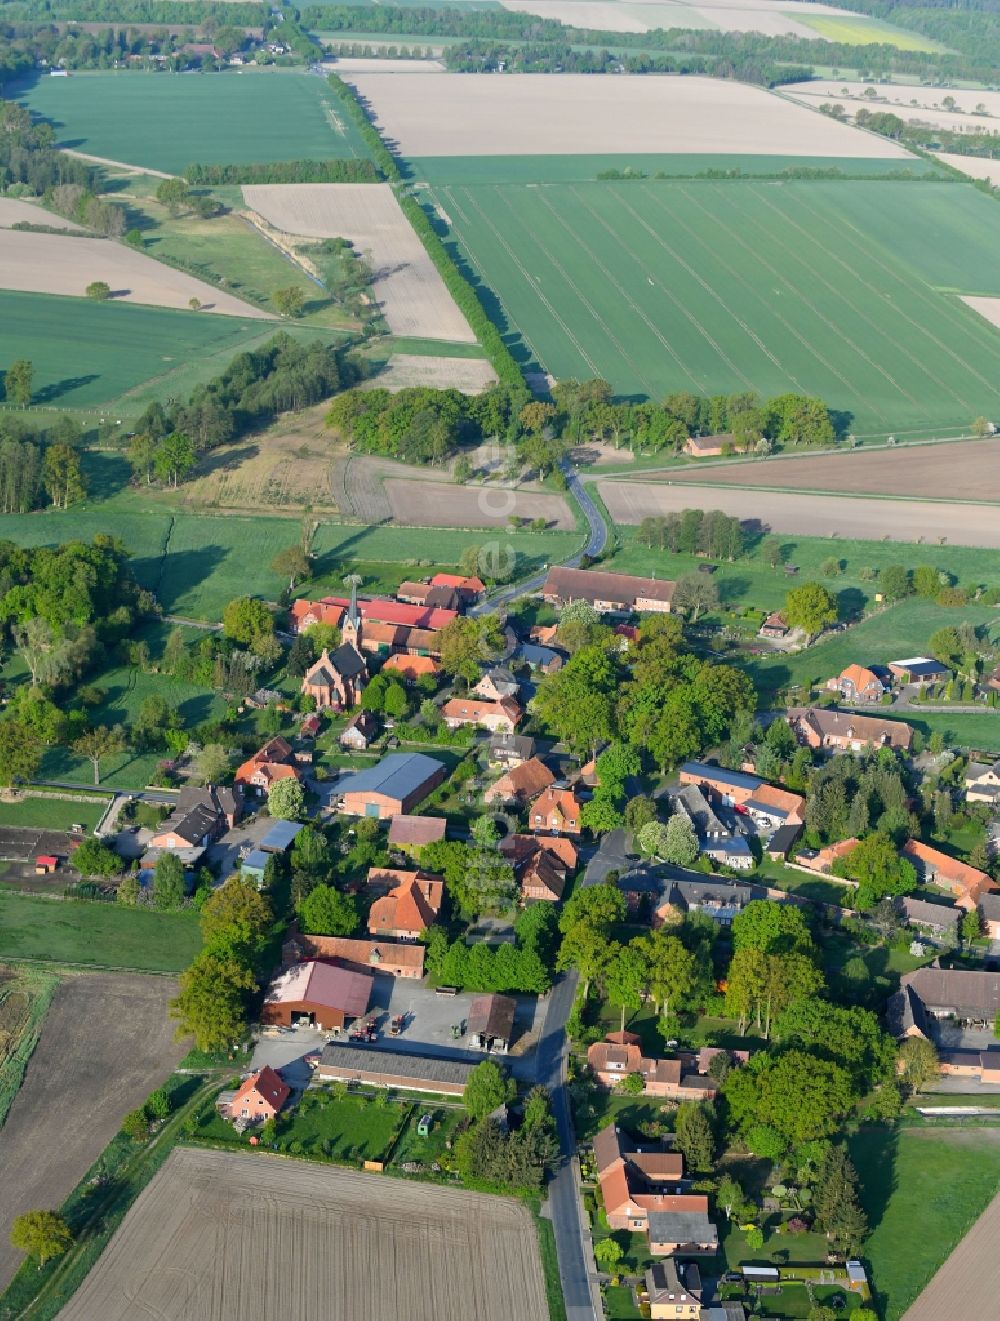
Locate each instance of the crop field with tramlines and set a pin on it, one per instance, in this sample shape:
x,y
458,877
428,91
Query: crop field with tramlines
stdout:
x,y
849,290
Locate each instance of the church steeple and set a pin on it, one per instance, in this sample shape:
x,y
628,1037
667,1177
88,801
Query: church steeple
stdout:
x,y
351,628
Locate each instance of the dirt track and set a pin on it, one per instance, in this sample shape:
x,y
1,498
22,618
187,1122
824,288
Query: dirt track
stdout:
x,y
106,1043
963,470
968,1284
233,1237
870,519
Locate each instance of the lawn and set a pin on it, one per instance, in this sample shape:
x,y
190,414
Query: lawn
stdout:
x,y
95,933
218,118
89,354
50,813
715,286
922,1190
816,888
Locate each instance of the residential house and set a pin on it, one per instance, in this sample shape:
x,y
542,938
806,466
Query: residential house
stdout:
x,y
857,684
673,1291
490,1023
846,731
507,749
932,992
411,668
493,716
260,1097
273,762
989,911
764,805
543,878
359,732
608,593
619,1055
335,681
304,614
708,447
311,726
920,670
524,782
372,1066
769,808
407,911
519,849
632,1185
555,810
938,920
387,957
497,684
544,634
200,817
715,840
536,657
823,859
653,886
982,1066
982,782
470,589
322,995
966,883
781,843
731,851
390,788
411,833
427,594
774,627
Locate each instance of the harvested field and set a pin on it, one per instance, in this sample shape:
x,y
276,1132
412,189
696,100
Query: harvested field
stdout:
x,y
405,370
960,470
251,1237
976,167
106,1043
407,285
15,212
812,515
968,1284
543,114
346,65
952,121
989,308
50,264
902,96
437,504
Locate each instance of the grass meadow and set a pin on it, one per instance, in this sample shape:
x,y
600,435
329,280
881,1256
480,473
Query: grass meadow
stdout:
x,y
93,355
846,290
46,812
210,119
96,933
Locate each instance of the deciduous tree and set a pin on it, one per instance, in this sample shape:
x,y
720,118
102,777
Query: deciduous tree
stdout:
x,y
41,1234
212,1004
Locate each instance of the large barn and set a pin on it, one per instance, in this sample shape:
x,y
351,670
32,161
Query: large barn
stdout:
x,y
320,994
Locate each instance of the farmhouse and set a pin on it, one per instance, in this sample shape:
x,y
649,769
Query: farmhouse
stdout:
x,y
409,909
320,994
673,1291
260,1097
424,594
374,1067
857,684
493,716
491,1023
845,731
919,670
982,782
335,681
714,839
930,993
939,920
394,786
543,878
608,593
390,958
966,883
304,614
619,1055
506,749
496,685
519,849
412,668
272,763
523,783
705,447
410,833
766,806
377,610
471,589
199,817
556,810
670,899
774,627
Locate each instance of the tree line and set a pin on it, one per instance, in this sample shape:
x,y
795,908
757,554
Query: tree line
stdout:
x,y
694,532
173,12
34,462
28,155
300,171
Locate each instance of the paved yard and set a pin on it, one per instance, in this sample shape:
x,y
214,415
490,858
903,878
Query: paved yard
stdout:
x,y
246,836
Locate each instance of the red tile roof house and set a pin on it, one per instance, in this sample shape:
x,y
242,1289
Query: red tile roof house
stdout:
x,y
966,883
412,833
260,1097
556,811
520,849
367,956
266,767
823,860
493,716
411,668
619,1055
325,995
303,614
632,1184
544,879
710,447
408,909
521,784
774,626
857,685
469,588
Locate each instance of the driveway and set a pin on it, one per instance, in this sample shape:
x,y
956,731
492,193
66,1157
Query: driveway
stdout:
x,y
246,836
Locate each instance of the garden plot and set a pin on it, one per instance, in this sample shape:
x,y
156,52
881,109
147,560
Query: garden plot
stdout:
x,y
252,1237
407,285
576,114
51,264
812,515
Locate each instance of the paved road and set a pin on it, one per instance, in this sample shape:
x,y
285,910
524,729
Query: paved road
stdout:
x,y
596,538
577,1270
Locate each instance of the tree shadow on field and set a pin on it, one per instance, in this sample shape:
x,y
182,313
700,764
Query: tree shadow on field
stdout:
x,y
173,575
851,603
732,588
106,474
49,393
195,710
842,419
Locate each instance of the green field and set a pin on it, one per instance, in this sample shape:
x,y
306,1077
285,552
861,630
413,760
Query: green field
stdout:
x,y
49,813
170,121
859,30
101,934
720,286
922,1191
90,354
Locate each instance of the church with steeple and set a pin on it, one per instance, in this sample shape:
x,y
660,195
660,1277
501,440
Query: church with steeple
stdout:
x,y
335,680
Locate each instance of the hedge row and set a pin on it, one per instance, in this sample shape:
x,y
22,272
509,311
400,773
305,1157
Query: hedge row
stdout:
x,y
381,154
331,171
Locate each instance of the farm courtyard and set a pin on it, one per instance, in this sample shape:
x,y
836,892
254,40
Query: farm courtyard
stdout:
x,y
249,1238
